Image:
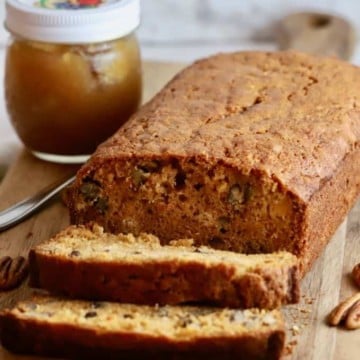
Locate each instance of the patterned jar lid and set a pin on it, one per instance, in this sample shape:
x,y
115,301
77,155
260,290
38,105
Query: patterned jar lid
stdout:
x,y
72,21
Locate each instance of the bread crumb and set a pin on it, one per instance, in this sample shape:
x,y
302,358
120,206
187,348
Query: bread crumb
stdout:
x,y
295,330
289,348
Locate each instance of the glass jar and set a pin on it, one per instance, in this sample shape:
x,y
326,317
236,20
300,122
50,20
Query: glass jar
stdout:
x,y
72,77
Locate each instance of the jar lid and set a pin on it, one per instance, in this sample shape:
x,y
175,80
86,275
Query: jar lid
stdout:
x,y
72,21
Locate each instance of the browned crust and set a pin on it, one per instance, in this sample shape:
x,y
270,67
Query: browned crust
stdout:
x,y
166,282
33,337
328,208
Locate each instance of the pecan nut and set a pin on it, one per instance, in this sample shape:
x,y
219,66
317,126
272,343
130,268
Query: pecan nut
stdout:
x,y
353,318
356,274
239,195
12,272
347,312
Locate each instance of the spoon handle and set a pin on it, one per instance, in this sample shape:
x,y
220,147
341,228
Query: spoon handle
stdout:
x,y
20,211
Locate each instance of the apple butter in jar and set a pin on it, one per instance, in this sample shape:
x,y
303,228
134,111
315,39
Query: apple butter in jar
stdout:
x,y
73,73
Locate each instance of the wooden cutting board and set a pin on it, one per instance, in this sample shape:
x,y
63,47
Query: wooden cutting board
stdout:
x,y
322,288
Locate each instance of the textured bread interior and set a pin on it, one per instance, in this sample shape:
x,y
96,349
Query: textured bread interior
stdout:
x,y
215,205
92,244
174,323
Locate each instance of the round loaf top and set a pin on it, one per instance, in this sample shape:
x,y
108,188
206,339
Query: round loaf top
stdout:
x,y
292,116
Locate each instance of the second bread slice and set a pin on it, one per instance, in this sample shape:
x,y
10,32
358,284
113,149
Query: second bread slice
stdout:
x,y
84,262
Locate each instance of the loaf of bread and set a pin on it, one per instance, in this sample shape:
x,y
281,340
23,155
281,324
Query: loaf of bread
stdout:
x,y
83,262
99,330
251,152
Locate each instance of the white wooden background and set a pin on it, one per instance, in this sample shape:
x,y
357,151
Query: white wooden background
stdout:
x,y
184,30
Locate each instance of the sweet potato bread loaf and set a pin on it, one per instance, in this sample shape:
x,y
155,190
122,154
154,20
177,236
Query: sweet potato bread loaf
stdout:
x,y
250,152
84,262
93,330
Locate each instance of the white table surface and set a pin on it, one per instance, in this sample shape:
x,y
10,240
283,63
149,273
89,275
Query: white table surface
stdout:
x,y
185,30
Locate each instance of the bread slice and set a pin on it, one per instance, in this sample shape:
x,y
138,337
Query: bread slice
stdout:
x,y
80,329
84,262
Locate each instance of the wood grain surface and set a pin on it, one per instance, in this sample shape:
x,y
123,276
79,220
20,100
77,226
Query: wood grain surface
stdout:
x,y
322,288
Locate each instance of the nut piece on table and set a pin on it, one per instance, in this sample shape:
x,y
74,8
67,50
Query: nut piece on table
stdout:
x,y
12,272
356,274
347,312
353,318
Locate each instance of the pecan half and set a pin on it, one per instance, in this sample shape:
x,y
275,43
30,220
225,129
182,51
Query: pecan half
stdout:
x,y
239,195
356,274
12,272
353,318
347,312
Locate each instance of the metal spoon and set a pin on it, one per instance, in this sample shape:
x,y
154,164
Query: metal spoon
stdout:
x,y
23,209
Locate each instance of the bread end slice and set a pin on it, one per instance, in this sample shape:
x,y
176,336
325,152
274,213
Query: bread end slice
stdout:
x,y
80,329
